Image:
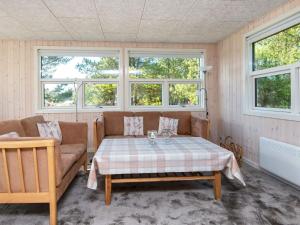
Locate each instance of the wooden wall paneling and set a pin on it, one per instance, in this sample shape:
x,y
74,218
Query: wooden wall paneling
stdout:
x,y
22,71
247,129
2,97
18,76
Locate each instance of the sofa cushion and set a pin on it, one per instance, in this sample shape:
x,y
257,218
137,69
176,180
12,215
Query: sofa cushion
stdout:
x,y
75,149
12,126
151,120
114,122
30,125
68,160
184,123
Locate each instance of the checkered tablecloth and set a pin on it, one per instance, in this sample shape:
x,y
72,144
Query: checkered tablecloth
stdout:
x,y
179,154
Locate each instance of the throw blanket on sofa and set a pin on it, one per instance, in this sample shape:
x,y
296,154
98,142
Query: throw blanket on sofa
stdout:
x,y
179,154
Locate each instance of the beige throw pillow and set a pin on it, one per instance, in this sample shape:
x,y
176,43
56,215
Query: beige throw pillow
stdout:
x,y
133,125
50,130
9,135
168,123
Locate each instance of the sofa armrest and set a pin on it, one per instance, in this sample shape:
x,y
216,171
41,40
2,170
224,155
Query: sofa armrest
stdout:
x,y
99,133
200,127
74,133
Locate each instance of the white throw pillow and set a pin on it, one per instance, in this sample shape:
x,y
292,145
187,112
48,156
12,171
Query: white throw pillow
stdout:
x,y
133,125
9,135
168,123
50,130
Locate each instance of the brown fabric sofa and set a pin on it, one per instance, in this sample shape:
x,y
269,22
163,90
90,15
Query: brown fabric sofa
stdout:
x,y
112,124
39,170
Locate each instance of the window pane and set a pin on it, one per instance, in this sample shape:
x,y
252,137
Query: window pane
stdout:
x,y
279,49
146,94
58,95
273,91
100,94
183,94
72,67
164,68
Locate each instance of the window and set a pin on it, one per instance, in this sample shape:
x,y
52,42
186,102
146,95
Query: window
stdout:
x,y
183,94
146,94
165,79
272,77
273,91
89,78
282,48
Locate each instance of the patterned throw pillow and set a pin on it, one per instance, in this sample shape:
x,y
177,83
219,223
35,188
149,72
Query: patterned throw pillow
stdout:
x,y
9,135
168,123
50,130
133,125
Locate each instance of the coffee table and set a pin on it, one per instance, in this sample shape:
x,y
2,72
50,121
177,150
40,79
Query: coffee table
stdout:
x,y
132,160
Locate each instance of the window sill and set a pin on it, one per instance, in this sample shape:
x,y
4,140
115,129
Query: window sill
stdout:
x,y
282,115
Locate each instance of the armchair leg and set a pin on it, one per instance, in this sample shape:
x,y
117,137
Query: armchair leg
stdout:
x,y
53,213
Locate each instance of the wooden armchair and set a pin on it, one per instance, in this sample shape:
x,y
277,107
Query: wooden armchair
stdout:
x,y
39,170
19,158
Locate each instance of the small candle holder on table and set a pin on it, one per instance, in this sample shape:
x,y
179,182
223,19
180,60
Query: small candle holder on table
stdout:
x,y
152,135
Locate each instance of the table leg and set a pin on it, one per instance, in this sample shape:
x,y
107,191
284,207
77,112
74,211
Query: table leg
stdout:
x,y
107,189
217,185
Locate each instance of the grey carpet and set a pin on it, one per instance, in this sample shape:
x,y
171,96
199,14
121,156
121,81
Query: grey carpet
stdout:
x,y
265,200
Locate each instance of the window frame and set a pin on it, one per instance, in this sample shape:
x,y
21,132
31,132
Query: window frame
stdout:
x,y
249,107
165,82
75,51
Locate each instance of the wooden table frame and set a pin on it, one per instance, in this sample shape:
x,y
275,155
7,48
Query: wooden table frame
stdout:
x,y
215,177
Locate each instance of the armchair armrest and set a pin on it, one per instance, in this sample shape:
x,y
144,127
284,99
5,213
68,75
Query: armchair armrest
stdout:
x,y
28,163
74,133
98,133
200,127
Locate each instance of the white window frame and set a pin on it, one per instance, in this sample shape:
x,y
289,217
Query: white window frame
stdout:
x,y
165,82
75,51
249,107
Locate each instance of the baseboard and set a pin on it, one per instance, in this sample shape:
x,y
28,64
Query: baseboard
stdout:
x,y
256,166
251,163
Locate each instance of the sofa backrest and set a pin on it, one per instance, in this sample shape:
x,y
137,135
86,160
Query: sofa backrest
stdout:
x,y
12,126
184,121
25,128
114,121
151,120
30,125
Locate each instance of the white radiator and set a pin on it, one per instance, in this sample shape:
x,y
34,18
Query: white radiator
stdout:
x,y
280,159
